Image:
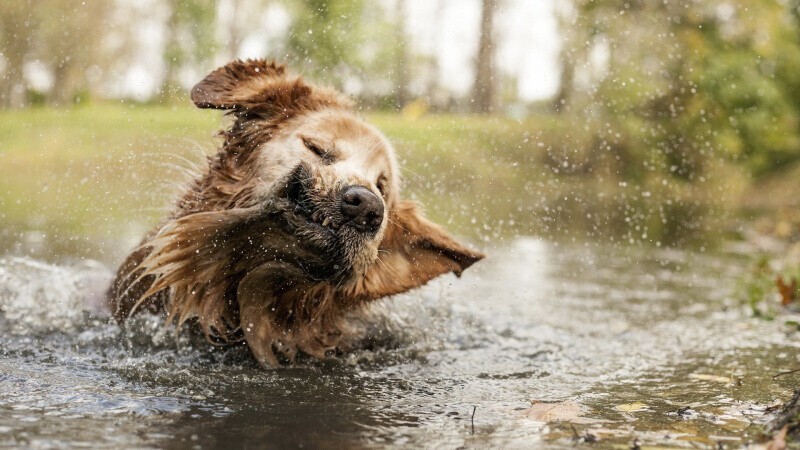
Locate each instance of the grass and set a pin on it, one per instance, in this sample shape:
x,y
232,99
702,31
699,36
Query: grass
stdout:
x,y
111,166
107,171
84,169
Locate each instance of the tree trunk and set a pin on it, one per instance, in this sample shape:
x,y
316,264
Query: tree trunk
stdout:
x,y
484,88
12,82
401,64
15,52
566,83
173,54
235,31
12,88
63,93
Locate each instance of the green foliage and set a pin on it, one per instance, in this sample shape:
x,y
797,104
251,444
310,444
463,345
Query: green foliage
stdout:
x,y
334,41
738,74
685,84
757,290
326,35
35,98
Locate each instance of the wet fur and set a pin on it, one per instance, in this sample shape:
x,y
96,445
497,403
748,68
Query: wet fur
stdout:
x,y
243,254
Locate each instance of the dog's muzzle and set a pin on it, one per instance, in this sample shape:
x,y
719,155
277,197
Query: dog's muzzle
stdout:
x,y
362,209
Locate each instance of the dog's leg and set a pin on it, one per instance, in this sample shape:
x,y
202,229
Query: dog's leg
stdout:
x,y
319,343
128,287
256,296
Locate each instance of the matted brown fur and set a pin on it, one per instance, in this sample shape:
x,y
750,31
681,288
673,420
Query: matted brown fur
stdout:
x,y
258,248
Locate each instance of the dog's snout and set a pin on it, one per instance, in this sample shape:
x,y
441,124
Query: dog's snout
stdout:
x,y
362,208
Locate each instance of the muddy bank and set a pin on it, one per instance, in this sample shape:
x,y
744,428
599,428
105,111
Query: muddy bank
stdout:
x,y
785,427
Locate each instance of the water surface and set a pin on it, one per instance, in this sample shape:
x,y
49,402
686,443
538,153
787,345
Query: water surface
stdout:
x,y
542,344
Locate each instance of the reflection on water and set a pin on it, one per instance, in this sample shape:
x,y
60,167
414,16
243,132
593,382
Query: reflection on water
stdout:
x,y
645,344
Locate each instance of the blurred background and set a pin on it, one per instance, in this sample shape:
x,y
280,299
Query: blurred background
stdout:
x,y
648,123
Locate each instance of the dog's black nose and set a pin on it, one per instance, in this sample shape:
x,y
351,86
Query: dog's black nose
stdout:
x,y
362,208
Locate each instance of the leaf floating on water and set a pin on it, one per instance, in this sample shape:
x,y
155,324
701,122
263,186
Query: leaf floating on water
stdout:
x,y
566,411
631,407
706,377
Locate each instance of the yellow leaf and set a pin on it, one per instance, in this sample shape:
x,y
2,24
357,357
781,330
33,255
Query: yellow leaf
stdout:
x,y
559,412
416,109
631,407
706,377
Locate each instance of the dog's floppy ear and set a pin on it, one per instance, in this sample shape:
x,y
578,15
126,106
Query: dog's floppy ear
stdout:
x,y
413,252
264,86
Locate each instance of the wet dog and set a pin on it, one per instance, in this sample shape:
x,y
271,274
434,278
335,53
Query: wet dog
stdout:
x,y
296,223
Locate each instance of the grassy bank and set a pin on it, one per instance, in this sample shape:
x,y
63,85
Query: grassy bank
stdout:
x,y
108,170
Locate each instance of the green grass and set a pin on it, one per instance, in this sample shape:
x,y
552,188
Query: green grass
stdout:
x,y
109,167
107,172
90,169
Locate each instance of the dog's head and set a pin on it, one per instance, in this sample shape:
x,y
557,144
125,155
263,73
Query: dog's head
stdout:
x,y
333,179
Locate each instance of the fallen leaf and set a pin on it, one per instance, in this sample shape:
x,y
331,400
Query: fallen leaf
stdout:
x,y
631,407
706,377
559,412
788,290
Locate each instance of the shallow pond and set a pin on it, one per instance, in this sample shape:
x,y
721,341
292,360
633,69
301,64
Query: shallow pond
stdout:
x,y
542,344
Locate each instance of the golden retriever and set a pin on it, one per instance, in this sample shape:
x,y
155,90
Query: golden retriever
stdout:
x,y
296,223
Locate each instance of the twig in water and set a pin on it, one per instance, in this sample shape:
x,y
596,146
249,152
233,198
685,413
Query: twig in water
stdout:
x,y
575,432
588,438
788,372
472,419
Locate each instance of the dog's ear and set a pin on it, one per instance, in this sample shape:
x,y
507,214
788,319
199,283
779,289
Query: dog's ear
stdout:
x,y
262,86
413,251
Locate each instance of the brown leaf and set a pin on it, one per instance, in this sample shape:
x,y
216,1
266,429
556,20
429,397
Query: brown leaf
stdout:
x,y
788,291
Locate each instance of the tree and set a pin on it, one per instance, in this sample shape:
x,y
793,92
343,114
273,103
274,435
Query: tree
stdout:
x,y
484,87
684,84
237,18
70,45
571,52
325,38
15,46
190,41
401,75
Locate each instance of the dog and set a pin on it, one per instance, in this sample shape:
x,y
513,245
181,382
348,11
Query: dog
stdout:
x,y
295,224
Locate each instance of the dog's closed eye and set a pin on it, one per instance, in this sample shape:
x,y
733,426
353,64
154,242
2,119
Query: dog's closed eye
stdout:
x,y
318,150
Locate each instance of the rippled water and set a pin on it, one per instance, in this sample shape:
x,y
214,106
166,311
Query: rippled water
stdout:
x,y
620,344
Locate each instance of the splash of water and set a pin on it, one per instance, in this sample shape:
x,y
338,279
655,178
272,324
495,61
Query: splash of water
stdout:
x,y
36,296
